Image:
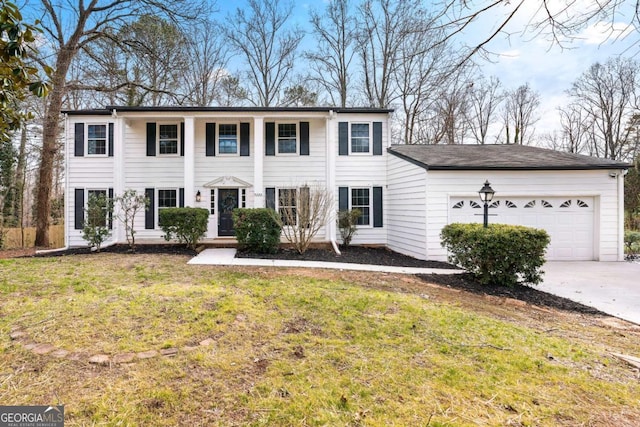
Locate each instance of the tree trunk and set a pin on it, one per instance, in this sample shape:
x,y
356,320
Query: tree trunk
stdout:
x,y
49,145
20,182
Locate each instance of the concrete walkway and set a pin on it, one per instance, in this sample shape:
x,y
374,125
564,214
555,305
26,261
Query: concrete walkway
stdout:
x,y
611,287
227,257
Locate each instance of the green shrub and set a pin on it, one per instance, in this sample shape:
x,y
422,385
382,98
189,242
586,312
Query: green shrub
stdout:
x,y
632,241
347,224
96,228
188,225
499,254
257,230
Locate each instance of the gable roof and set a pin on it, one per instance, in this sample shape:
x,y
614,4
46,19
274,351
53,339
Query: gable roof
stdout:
x,y
498,157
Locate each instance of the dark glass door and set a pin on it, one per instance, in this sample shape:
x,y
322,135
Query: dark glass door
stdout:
x,y
227,202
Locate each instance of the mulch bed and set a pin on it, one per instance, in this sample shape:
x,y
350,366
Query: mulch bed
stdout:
x,y
358,255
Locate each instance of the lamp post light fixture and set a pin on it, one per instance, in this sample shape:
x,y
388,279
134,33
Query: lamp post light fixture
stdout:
x,y
486,194
198,197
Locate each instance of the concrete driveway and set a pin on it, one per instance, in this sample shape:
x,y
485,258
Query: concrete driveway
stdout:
x,y
611,287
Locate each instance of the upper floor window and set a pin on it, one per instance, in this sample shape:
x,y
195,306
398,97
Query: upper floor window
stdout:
x,y
228,138
287,141
168,139
359,137
96,139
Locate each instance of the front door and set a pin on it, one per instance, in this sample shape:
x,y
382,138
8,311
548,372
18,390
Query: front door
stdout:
x,y
227,202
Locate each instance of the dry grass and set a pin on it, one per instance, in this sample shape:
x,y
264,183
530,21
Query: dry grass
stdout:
x,y
297,347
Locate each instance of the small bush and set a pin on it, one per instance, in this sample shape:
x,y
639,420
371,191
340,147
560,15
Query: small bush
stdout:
x,y
188,225
499,254
96,228
347,224
632,241
257,230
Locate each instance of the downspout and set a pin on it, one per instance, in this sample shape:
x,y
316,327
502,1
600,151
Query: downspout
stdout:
x,y
330,180
620,178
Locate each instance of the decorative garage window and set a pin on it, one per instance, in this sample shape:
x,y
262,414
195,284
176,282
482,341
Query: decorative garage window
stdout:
x,y
495,204
510,204
459,205
531,204
546,204
582,204
474,205
566,204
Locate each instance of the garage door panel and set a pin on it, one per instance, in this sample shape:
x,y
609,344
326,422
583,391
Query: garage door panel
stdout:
x,y
571,227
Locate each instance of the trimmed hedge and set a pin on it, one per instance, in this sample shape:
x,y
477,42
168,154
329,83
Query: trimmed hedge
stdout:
x,y
632,241
257,230
499,254
188,225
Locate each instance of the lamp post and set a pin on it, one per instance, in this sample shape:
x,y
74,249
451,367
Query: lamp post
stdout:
x,y
486,194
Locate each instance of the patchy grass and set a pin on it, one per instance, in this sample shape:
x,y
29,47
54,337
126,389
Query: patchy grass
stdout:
x,y
296,347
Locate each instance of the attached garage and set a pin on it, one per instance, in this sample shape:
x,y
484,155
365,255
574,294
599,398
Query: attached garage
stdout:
x,y
569,221
577,199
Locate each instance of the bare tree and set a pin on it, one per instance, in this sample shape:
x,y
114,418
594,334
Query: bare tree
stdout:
x,y
607,96
260,35
335,35
206,70
450,109
72,28
484,99
519,113
303,212
575,128
383,26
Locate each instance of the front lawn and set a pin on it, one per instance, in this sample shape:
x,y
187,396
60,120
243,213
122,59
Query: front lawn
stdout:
x,y
256,346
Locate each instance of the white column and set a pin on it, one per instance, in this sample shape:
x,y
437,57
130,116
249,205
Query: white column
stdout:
x,y
258,165
119,178
189,162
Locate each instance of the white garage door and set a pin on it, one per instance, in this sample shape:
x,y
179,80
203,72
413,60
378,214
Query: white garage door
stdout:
x,y
569,221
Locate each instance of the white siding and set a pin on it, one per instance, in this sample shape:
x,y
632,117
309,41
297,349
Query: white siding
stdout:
x,y
594,183
407,209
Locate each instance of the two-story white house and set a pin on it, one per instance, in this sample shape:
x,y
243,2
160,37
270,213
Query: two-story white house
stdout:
x,y
224,158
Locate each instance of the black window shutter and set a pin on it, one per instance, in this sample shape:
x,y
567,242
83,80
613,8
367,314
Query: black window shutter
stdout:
x,y
110,148
151,139
149,213
210,139
377,206
244,139
377,138
182,139
110,195
78,150
270,139
181,198
343,139
78,217
270,198
343,198
304,138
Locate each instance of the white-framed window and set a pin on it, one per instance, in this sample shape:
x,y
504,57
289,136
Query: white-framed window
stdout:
x,y
96,139
98,193
228,138
168,139
212,205
360,138
287,205
286,138
243,198
361,199
167,198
